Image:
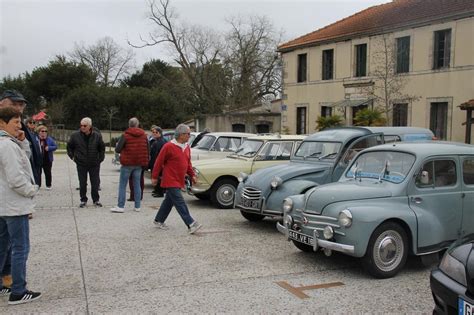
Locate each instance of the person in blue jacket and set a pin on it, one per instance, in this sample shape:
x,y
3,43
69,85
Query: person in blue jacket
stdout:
x,y
48,146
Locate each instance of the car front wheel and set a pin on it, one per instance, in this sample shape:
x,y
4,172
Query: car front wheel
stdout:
x,y
387,251
223,193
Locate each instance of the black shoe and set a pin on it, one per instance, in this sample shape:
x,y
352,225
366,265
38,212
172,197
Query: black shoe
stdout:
x,y
4,291
97,204
26,297
130,199
158,195
82,204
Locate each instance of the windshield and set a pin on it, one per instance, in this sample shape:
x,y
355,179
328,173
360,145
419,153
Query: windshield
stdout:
x,y
249,148
318,150
206,142
385,165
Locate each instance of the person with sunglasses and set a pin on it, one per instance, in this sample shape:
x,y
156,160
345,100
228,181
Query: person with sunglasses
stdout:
x,y
48,146
87,149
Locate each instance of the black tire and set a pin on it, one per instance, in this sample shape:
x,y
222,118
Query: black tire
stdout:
x,y
252,217
223,193
387,251
202,196
303,247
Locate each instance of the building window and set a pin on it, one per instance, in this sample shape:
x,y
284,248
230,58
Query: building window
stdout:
x,y
357,109
262,128
238,127
328,64
403,54
439,119
301,120
361,60
302,68
326,111
442,49
400,114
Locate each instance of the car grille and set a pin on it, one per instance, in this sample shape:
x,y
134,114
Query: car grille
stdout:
x,y
251,193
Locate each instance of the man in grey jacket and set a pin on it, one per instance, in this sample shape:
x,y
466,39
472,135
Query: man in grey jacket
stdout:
x,y
16,203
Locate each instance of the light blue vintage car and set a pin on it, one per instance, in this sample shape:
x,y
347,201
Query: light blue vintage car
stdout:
x,y
320,159
394,200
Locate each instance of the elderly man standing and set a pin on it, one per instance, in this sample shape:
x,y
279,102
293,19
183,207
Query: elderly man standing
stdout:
x,y
87,149
174,162
134,154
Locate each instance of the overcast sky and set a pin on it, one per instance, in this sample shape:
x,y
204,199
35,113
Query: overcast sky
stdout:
x,y
32,32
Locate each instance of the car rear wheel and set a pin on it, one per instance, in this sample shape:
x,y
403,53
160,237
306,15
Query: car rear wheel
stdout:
x,y
303,247
387,251
253,217
223,193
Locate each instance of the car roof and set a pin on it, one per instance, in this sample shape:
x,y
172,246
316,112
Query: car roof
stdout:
x,y
278,137
428,148
229,134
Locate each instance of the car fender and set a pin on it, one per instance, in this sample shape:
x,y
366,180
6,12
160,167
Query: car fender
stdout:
x,y
288,188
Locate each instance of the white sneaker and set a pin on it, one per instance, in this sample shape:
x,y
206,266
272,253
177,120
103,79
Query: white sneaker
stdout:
x,y
194,227
161,226
117,209
136,209
48,188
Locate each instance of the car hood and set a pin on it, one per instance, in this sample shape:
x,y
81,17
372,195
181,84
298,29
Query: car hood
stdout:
x,y
262,177
320,197
222,163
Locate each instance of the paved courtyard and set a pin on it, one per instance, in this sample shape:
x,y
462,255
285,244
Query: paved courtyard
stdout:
x,y
94,261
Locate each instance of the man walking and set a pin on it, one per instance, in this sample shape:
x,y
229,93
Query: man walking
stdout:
x,y
87,149
174,162
134,153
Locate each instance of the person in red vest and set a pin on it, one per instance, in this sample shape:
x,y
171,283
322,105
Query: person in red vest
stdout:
x,y
174,162
134,155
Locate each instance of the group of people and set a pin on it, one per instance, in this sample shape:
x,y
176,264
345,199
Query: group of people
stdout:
x,y
27,151
170,163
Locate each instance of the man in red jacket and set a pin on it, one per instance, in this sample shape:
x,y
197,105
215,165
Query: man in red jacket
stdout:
x,y
174,161
134,155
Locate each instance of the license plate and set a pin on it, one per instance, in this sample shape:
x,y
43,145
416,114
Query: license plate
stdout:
x,y
253,204
302,238
465,308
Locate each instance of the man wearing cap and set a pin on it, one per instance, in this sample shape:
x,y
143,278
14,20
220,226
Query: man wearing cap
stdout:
x,y
17,100
87,149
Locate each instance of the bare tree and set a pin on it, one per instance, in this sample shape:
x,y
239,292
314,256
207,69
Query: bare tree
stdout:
x,y
253,61
389,86
196,51
106,58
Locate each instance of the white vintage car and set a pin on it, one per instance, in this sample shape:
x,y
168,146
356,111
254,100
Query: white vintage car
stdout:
x,y
218,145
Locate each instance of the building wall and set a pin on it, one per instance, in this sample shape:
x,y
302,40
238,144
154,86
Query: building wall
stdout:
x,y
454,85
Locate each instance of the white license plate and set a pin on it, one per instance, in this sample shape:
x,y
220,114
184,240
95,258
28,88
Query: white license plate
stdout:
x,y
465,308
247,203
302,238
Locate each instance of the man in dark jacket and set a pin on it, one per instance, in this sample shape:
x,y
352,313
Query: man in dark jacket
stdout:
x,y
134,155
158,143
87,149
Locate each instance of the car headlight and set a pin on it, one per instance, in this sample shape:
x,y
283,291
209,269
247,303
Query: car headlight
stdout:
x,y
453,268
275,182
287,205
328,232
345,218
242,177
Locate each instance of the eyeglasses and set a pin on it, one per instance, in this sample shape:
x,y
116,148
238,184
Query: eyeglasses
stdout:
x,y
84,125
32,123
43,131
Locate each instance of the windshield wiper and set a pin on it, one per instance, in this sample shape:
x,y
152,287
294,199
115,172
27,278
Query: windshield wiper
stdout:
x,y
312,154
326,155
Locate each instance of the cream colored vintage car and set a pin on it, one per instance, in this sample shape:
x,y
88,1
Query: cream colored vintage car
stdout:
x,y
218,145
218,178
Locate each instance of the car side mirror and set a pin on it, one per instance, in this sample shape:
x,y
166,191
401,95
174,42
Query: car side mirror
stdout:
x,y
425,177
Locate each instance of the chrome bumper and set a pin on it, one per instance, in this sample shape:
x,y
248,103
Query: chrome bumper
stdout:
x,y
317,242
198,190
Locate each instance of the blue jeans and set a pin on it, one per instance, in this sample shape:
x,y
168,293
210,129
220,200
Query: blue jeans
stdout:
x,y
15,232
174,198
125,173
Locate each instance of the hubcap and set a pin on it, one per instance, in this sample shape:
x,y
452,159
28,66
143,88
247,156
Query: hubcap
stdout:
x,y
225,194
388,250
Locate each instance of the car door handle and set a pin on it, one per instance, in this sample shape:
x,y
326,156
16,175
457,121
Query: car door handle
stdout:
x,y
416,200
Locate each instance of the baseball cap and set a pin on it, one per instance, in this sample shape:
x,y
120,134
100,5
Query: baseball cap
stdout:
x,y
14,96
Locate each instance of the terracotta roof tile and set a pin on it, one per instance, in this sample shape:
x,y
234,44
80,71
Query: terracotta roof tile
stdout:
x,y
383,18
